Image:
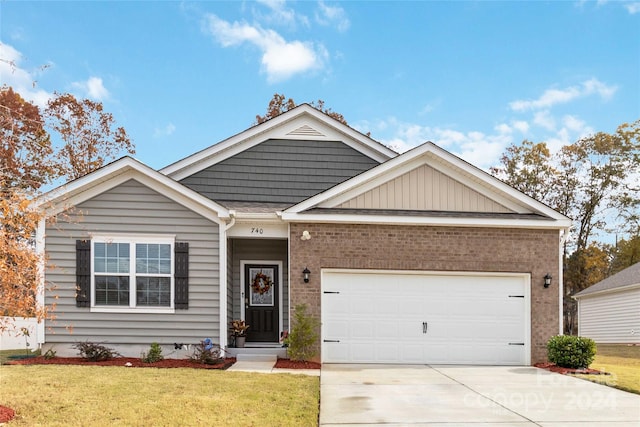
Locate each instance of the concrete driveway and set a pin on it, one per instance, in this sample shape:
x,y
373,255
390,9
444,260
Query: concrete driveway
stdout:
x,y
468,395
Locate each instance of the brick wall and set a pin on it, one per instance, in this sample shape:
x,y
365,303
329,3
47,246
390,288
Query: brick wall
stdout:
x,y
391,247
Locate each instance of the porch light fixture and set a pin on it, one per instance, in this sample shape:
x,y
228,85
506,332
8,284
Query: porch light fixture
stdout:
x,y
305,235
305,275
547,280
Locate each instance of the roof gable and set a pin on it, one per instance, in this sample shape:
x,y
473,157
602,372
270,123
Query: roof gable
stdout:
x,y
629,277
299,124
428,180
119,172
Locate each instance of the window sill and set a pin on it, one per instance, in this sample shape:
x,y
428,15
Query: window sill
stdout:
x,y
149,310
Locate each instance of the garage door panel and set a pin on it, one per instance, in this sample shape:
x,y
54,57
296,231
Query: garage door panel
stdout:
x,y
381,318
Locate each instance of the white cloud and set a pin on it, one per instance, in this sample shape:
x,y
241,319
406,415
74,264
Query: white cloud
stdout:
x,y
280,14
93,88
164,131
503,128
332,15
551,97
521,126
22,81
633,7
544,119
281,59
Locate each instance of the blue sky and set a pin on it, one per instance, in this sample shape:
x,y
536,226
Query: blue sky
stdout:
x,y
472,77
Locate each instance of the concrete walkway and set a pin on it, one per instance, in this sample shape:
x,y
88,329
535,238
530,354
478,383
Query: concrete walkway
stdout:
x,y
267,367
468,396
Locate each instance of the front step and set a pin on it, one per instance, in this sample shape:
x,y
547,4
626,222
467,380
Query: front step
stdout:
x,y
257,354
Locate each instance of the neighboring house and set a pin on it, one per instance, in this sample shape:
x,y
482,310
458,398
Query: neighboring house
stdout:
x,y
609,311
412,258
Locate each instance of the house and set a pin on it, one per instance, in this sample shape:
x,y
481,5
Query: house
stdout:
x,y
412,258
609,311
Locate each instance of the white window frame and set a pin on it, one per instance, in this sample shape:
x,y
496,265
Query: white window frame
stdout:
x,y
132,240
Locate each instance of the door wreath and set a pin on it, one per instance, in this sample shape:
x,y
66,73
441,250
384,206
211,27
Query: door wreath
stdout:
x,y
261,283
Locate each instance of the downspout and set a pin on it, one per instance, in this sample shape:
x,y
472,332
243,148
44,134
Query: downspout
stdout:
x,y
40,297
223,277
564,234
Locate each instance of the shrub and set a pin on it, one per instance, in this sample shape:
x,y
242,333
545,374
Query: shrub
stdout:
x,y
95,352
49,354
206,353
154,355
303,335
569,351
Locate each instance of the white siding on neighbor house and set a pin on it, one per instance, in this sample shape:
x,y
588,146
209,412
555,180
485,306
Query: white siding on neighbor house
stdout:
x,y
424,188
612,317
134,208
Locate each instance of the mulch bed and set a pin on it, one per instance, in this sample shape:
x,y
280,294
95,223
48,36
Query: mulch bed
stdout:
x,y
6,414
553,368
124,361
290,364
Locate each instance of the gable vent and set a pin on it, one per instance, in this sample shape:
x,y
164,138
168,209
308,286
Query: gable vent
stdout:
x,y
305,130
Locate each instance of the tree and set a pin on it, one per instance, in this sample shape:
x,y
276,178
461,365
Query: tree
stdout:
x,y
25,151
279,104
88,133
594,181
30,161
625,254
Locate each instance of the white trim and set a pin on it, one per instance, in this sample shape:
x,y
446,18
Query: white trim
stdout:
x,y
426,220
608,291
40,296
133,239
223,276
563,234
280,288
498,189
525,276
279,128
120,171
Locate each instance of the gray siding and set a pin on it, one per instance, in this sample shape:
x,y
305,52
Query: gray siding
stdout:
x,y
133,207
611,318
263,250
280,171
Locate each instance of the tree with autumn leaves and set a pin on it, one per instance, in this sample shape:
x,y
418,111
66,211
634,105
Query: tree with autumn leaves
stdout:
x,y
594,181
65,140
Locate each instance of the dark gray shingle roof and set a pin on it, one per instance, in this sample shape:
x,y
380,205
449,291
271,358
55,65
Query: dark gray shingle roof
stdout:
x,y
627,277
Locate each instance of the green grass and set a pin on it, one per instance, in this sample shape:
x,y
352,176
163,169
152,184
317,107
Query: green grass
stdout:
x,y
622,362
57,395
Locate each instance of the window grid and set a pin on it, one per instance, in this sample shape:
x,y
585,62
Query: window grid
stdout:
x,y
147,279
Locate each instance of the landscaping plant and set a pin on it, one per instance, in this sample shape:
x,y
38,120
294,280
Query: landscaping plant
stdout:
x,y
303,336
206,352
154,354
95,352
570,351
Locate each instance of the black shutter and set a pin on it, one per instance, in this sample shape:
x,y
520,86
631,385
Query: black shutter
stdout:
x,y
83,273
181,271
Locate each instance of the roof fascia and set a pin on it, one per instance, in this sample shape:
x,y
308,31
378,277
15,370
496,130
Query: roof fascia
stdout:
x,y
118,172
415,220
608,291
259,133
410,159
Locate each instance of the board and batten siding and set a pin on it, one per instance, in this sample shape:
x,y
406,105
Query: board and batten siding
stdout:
x,y
284,171
133,208
424,188
612,317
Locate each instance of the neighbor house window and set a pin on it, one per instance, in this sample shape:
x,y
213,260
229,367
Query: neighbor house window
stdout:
x,y
133,272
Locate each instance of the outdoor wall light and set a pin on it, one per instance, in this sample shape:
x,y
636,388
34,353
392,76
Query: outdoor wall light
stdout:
x,y
547,280
305,275
305,235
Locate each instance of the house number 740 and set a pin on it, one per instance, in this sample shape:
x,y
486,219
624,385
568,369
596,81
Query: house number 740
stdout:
x,y
255,230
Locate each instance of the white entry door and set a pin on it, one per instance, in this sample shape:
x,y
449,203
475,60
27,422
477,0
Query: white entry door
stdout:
x,y
425,318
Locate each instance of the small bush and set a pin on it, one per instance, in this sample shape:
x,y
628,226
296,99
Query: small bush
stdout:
x,y
154,355
49,354
303,336
206,353
95,352
569,351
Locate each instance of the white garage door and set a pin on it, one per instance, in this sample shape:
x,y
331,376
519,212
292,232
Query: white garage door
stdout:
x,y
425,318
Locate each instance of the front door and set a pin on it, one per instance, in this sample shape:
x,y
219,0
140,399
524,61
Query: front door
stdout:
x,y
261,290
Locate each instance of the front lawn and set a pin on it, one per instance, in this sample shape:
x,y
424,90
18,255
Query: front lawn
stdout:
x,y
622,361
55,395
